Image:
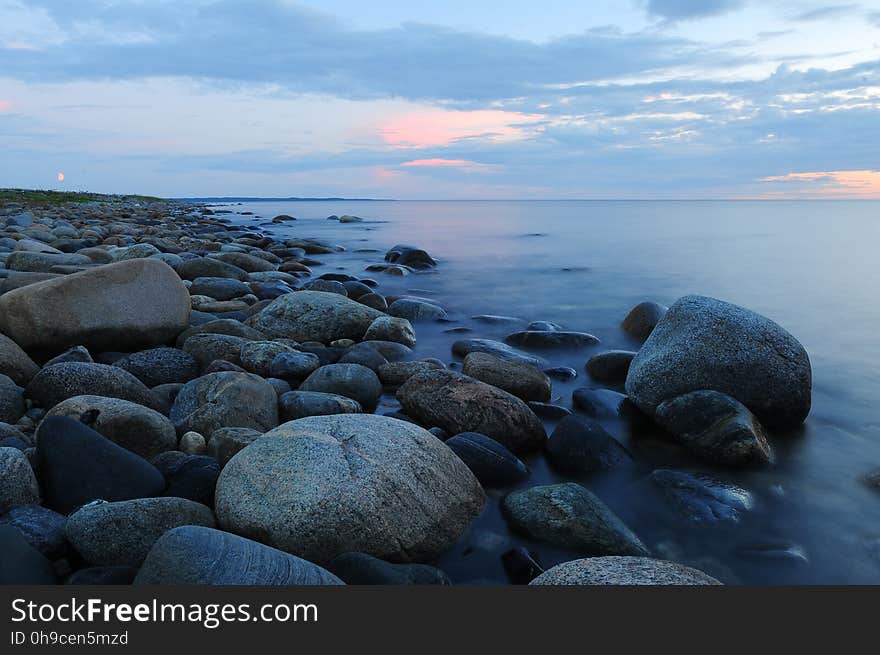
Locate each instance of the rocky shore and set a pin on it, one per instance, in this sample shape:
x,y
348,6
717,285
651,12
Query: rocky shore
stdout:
x,y
187,400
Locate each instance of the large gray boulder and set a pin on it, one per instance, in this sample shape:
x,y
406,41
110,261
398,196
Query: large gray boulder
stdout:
x,y
314,316
225,399
622,571
197,555
125,306
325,485
139,429
704,343
569,516
15,363
122,533
458,403
62,381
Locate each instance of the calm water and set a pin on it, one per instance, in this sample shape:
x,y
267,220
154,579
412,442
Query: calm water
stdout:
x,y
812,267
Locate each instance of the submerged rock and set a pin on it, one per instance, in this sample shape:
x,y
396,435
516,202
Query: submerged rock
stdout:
x,y
701,499
326,485
540,339
569,516
363,569
642,319
464,347
704,343
716,427
610,366
580,445
493,464
520,379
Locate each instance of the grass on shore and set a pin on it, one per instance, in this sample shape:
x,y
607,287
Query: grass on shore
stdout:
x,y
50,198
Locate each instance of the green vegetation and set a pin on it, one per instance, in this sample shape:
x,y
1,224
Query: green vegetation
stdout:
x,y
49,198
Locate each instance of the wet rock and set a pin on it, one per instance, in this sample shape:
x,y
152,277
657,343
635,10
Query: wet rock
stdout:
x,y
129,305
203,556
416,310
314,316
15,362
569,516
623,571
393,374
208,267
410,256
715,427
390,328
642,319
18,485
226,399
610,366
294,365
59,382
160,366
350,380
193,477
398,493
244,261
327,286
300,404
137,428
42,262
257,356
549,410
219,288
41,527
581,445
226,442
605,403
365,356
521,565
76,465
545,339
463,347
520,379
458,403
12,405
226,326
373,300
21,563
704,343
363,569
493,464
192,443
206,348
701,499
561,373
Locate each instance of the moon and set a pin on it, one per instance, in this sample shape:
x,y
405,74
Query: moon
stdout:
x,y
60,177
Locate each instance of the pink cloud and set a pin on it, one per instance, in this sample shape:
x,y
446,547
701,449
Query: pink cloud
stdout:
x,y
440,127
5,105
827,184
439,162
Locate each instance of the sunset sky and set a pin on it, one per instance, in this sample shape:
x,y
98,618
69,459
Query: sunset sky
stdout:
x,y
452,99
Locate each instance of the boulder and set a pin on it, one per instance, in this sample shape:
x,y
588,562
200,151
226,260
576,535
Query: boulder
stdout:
x,y
300,404
41,527
59,382
623,571
125,306
642,319
294,365
209,267
327,485
569,516
76,465
245,262
518,378
546,339
226,399
257,356
225,442
122,533
139,429
219,288
610,366
193,477
18,485
704,343
12,405
391,328
15,362
580,445
207,347
350,380
228,326
463,347
393,374
715,427
194,555
493,464
458,403
160,366
416,310
314,316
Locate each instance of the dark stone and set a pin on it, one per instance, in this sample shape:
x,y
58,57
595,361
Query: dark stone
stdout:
x,y
493,464
62,381
550,339
299,404
610,366
364,569
561,373
463,347
219,288
103,575
701,499
351,380
581,445
194,478
549,410
160,366
21,563
76,465
605,403
41,527
642,319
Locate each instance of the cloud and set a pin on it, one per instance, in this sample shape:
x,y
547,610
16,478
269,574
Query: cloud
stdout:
x,y
863,184
827,13
679,10
302,50
459,164
439,127
874,18
5,105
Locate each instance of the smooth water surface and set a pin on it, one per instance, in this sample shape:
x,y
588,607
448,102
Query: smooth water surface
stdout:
x,y
810,266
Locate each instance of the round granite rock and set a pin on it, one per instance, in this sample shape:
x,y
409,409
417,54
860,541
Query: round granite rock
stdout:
x,y
622,571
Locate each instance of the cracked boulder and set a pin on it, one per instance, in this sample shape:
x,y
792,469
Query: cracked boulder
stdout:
x,y
325,485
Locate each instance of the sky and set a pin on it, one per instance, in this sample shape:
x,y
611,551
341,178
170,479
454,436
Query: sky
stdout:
x,y
457,99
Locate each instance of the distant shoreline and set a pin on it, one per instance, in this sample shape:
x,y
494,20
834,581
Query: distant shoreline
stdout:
x,y
292,199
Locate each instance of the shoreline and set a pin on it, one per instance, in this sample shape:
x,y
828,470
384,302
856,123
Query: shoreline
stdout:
x,y
260,338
